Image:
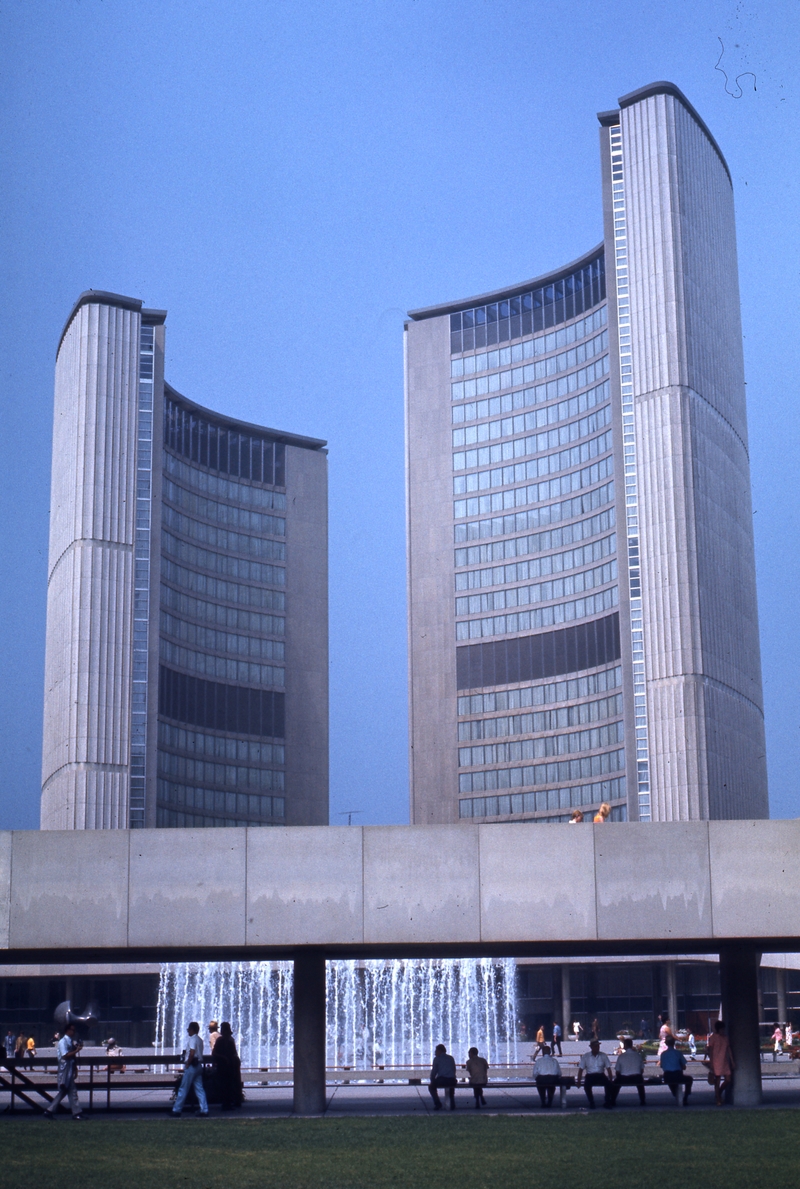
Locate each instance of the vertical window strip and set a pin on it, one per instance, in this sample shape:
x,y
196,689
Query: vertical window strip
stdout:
x,y
630,467
141,579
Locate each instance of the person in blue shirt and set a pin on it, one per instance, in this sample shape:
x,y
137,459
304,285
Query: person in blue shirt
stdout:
x,y
673,1065
68,1048
443,1077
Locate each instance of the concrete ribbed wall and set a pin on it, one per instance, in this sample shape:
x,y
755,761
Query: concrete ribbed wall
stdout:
x,y
89,603
702,653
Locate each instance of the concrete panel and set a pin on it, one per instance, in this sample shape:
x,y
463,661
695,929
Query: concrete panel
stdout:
x,y
653,880
69,888
421,884
5,886
537,883
187,887
304,886
754,878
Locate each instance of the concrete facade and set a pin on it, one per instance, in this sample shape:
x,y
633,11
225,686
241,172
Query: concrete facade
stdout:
x,y
517,632
398,891
187,624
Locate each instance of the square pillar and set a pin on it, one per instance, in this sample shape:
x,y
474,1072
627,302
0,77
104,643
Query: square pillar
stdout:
x,y
309,1032
566,1002
780,983
672,994
738,976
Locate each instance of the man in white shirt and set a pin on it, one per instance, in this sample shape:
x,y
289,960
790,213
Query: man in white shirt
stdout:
x,y
595,1070
68,1048
547,1075
192,1073
629,1071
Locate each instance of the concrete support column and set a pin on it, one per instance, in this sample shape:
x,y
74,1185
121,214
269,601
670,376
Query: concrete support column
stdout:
x,y
566,1001
738,975
309,1033
672,995
780,983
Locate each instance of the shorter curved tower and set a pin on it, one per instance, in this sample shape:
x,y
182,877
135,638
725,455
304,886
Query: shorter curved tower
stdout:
x,y
186,658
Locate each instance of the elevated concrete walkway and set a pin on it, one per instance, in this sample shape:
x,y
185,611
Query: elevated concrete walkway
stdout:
x,y
463,890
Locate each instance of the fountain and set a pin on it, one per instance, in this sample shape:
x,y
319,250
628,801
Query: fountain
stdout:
x,y
379,1013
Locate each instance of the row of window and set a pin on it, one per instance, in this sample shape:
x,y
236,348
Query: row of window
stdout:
x,y
468,365
528,312
183,768
214,641
538,567
541,695
221,707
220,746
539,592
538,749
228,514
226,617
534,468
171,819
217,588
520,522
541,617
229,489
222,563
245,456
563,410
547,415
578,796
240,672
533,444
581,530
574,649
221,538
553,773
542,369
242,804
541,720
535,493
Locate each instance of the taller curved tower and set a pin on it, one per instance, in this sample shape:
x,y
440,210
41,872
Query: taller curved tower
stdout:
x,y
186,656
582,606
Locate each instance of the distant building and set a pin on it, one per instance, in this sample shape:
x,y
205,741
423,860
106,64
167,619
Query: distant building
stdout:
x,y
582,602
187,623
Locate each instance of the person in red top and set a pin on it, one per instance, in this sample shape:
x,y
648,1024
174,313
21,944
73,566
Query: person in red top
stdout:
x,y
719,1059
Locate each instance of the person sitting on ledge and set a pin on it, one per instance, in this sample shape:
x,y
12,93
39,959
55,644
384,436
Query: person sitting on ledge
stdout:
x,y
547,1075
629,1071
595,1068
443,1077
673,1065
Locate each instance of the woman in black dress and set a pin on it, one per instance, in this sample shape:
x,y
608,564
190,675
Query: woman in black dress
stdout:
x,y
227,1067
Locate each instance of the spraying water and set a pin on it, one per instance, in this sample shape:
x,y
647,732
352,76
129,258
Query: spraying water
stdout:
x,y
379,1013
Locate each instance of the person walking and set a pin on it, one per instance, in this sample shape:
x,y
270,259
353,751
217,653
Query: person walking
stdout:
x,y
21,1047
777,1042
547,1075
213,1035
228,1068
477,1068
576,818
594,1069
556,1040
603,814
10,1045
719,1059
595,1029
68,1048
30,1050
628,1071
539,1040
664,1032
443,1077
192,1073
673,1066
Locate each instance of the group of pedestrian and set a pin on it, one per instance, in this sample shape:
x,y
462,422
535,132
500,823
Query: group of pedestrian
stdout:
x,y
225,1064
19,1048
603,815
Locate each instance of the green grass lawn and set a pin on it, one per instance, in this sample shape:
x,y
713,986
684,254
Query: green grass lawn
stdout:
x,y
702,1150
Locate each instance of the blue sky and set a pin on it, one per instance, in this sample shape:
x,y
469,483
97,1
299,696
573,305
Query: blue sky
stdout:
x,y
287,179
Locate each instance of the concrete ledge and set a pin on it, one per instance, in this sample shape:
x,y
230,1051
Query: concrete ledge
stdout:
x,y
507,889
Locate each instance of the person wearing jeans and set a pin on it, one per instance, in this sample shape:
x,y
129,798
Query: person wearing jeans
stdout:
x,y
192,1073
